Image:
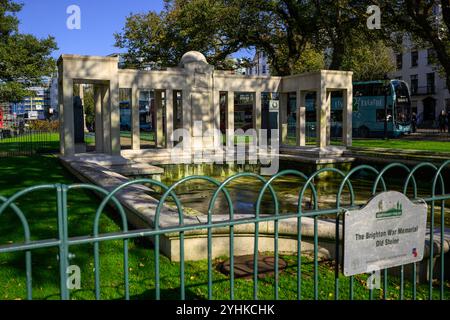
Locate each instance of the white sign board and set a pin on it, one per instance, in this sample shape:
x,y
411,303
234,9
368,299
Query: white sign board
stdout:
x,y
32,115
388,232
274,105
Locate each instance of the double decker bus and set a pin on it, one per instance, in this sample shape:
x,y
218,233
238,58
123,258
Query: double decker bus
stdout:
x,y
369,99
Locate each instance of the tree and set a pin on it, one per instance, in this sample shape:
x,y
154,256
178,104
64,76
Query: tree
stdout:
x,y
295,35
89,106
160,39
369,62
24,59
425,20
342,29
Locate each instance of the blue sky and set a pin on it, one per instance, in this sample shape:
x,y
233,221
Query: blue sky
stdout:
x,y
100,19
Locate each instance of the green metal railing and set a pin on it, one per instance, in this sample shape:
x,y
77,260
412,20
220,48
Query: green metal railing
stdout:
x,y
63,242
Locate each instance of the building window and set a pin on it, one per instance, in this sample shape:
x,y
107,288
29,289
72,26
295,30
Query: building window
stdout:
x,y
414,58
399,61
264,69
430,83
431,56
414,83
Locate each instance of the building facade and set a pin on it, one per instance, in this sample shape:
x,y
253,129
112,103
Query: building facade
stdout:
x,y
429,92
417,66
260,65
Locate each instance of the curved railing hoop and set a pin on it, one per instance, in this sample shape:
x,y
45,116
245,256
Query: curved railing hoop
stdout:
x,y
244,175
277,176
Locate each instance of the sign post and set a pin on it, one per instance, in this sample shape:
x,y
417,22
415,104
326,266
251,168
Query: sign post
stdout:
x,y
388,232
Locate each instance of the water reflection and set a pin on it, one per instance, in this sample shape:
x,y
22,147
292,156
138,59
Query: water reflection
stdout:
x,y
196,194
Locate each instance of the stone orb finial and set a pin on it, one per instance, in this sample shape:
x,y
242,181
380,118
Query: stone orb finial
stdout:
x,y
192,56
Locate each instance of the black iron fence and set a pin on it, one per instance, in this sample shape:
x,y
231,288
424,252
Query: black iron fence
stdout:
x,y
26,142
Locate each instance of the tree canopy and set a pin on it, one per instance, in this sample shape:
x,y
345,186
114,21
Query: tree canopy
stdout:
x,y
297,36
24,59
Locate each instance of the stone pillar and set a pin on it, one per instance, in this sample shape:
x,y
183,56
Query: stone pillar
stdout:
x,y
159,129
257,111
283,117
98,119
347,112
301,118
230,117
135,121
168,130
217,120
323,113
66,117
186,106
114,106
106,107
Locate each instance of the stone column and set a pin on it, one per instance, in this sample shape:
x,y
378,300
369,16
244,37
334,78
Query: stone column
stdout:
x,y
106,117
323,113
217,120
159,129
283,117
347,113
66,115
66,121
257,111
168,130
301,118
98,119
230,118
186,106
115,116
135,121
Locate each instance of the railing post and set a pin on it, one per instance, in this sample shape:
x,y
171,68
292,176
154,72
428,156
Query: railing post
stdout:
x,y
63,238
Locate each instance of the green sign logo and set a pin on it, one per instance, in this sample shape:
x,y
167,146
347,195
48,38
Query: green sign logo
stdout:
x,y
396,211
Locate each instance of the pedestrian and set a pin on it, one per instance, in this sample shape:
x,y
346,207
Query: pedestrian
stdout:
x,y
414,123
442,121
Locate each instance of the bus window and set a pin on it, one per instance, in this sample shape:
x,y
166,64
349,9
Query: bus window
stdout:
x,y
310,116
380,115
369,90
336,115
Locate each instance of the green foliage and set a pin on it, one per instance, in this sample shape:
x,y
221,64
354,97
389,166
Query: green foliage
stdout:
x,y
160,39
45,126
89,105
368,62
293,34
24,59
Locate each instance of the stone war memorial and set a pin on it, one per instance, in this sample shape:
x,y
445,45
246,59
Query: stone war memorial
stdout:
x,y
201,88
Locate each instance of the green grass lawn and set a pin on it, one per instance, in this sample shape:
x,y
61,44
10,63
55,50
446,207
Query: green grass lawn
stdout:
x,y
42,142
436,146
402,144
145,136
20,172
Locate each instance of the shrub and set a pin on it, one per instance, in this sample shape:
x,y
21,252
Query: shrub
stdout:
x,y
44,125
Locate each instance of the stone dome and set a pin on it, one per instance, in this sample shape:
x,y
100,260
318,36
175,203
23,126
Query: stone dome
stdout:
x,y
192,56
